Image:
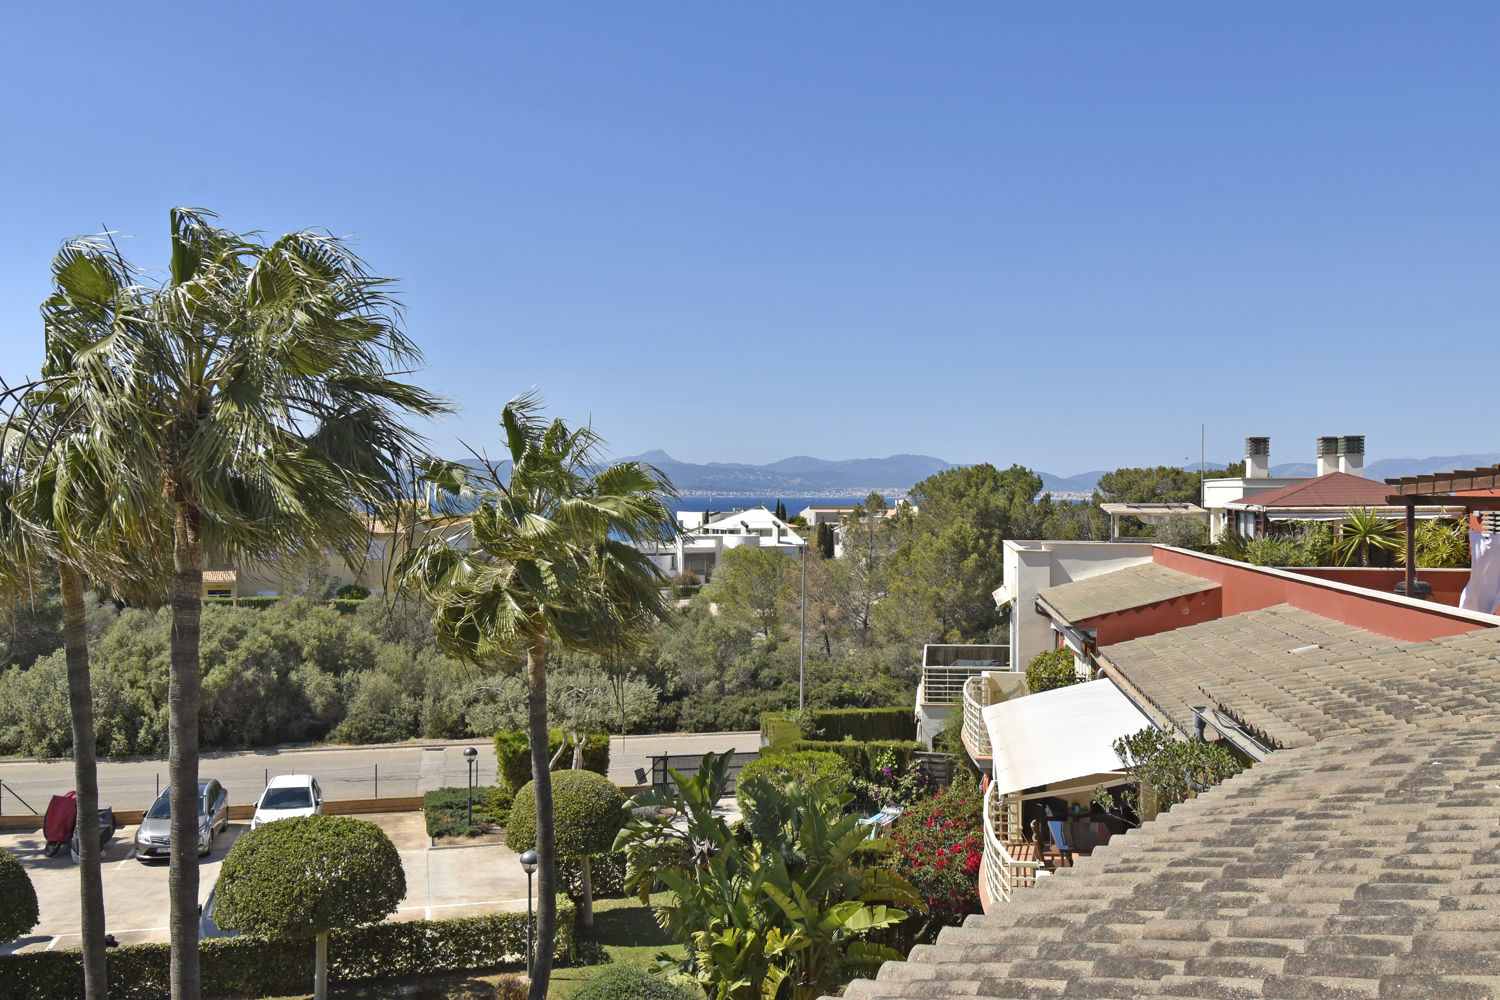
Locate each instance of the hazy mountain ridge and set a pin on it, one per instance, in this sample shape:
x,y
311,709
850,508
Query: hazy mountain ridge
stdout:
x,y
804,475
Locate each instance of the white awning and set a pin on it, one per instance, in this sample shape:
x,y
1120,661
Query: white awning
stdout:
x,y
1059,735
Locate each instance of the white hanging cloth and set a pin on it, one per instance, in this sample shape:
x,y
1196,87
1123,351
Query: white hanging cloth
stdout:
x,y
1483,591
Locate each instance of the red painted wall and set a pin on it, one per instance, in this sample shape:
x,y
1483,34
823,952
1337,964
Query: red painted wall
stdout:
x,y
1249,588
1447,584
1163,616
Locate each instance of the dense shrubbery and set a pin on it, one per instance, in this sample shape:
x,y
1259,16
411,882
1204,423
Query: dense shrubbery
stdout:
x,y
838,724
513,755
1051,668
937,845
805,767
446,811
244,966
622,983
18,908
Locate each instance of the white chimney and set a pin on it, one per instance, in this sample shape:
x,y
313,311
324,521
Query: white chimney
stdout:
x,y
1258,458
1328,455
1352,454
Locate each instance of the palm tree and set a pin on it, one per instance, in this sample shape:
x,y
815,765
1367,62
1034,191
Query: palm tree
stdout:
x,y
264,408
1361,531
552,561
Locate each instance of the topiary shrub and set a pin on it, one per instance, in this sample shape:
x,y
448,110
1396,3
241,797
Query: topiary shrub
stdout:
x,y
352,592
622,983
513,755
306,876
804,767
588,812
18,909
1050,669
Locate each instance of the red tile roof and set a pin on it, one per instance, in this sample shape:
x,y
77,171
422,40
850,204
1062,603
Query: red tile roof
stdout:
x,y
1337,489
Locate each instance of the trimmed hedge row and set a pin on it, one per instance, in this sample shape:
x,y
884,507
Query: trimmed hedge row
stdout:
x,y
245,966
513,755
864,725
858,755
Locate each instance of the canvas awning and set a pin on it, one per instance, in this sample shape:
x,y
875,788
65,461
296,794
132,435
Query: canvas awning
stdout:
x,y
1059,735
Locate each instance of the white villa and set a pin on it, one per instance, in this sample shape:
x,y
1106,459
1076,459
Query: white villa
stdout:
x,y
706,534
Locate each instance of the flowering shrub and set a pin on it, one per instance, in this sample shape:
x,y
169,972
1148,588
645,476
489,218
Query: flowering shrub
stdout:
x,y
891,781
937,846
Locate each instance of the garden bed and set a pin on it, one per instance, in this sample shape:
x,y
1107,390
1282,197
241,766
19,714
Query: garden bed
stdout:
x,y
448,815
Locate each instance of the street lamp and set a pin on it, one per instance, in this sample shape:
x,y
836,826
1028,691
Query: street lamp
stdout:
x,y
471,765
528,862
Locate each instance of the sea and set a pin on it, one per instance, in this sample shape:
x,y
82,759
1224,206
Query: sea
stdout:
x,y
794,505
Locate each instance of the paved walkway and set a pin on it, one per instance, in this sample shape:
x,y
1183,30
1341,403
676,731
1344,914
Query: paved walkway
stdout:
x,y
344,772
441,882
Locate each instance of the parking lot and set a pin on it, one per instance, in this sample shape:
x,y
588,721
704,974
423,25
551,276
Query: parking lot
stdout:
x,y
440,882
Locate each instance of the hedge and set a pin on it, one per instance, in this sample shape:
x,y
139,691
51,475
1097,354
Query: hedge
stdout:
x,y
803,766
780,729
513,755
857,755
244,966
588,811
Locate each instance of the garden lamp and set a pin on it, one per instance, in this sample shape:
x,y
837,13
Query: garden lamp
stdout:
x,y
528,863
471,766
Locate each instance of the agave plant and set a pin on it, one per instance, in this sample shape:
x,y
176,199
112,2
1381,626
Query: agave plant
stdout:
x,y
1362,531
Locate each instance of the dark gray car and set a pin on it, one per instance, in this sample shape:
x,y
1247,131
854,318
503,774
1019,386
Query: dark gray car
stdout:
x,y
154,837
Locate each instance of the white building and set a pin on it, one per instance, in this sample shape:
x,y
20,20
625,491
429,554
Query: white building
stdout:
x,y
707,534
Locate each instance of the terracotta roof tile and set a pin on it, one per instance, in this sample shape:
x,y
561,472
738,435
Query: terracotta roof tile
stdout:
x,y
1337,489
1132,587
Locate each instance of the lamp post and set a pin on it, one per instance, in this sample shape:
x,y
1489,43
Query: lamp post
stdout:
x,y
802,639
528,862
471,765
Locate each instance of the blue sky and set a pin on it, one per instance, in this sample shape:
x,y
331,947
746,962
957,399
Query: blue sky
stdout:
x,y
1062,235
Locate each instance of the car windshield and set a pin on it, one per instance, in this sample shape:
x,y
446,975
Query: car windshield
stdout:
x,y
287,798
162,807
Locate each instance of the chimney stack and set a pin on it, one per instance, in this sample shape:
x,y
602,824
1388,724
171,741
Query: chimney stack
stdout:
x,y
1258,458
1328,455
1352,454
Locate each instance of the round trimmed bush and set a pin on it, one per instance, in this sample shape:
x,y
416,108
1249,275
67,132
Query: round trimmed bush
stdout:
x,y
307,875
622,983
18,910
588,812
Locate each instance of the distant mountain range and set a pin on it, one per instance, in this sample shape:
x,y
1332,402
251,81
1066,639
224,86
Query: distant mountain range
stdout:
x,y
799,475
804,476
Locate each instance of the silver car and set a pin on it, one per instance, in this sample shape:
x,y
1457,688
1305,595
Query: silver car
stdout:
x,y
154,837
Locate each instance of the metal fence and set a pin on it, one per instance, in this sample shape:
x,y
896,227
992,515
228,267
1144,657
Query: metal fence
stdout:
x,y
688,764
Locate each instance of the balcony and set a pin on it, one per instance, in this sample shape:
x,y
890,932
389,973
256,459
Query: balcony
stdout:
x,y
1003,872
989,688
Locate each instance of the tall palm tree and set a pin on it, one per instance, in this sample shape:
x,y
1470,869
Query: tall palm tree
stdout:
x,y
552,561
266,411
64,502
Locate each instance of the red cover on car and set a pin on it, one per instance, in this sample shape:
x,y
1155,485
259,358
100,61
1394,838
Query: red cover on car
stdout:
x,y
62,812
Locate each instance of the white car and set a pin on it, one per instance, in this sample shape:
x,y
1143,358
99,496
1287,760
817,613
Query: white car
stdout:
x,y
288,795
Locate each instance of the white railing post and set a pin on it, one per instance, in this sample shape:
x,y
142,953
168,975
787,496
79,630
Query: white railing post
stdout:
x,y
976,696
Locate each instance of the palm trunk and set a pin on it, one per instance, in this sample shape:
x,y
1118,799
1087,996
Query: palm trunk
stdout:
x,y
546,848
182,755
85,780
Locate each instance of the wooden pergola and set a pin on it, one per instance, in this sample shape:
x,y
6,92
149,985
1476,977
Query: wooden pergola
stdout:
x,y
1437,490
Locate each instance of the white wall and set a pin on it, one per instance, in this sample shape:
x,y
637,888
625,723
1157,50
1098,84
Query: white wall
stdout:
x,y
1031,567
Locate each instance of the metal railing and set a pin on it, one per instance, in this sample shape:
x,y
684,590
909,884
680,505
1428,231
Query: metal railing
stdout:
x,y
1003,872
687,765
976,734
945,685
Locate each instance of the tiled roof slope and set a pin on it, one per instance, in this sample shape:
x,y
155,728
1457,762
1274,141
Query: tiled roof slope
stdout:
x,y
1337,489
1132,587
1266,668
1367,865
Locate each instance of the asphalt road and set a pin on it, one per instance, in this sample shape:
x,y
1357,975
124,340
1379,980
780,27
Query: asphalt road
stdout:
x,y
344,772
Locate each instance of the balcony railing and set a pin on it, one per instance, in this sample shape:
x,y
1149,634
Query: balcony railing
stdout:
x,y
945,685
976,734
1003,872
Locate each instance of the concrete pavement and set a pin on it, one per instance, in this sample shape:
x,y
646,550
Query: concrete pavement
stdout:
x,y
450,881
344,772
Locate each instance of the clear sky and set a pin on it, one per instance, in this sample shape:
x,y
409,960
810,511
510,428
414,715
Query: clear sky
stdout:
x,y
1064,235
